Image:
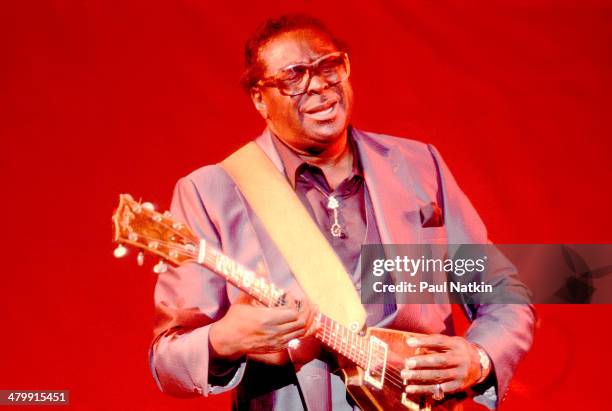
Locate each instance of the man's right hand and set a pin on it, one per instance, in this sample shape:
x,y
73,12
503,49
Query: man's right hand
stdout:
x,y
254,329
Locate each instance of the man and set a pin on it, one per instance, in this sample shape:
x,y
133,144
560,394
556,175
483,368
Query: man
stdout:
x,y
210,338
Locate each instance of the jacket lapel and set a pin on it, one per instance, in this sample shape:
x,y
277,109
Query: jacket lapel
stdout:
x,y
391,189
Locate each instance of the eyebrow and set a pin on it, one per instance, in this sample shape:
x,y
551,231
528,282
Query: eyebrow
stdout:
x,y
302,63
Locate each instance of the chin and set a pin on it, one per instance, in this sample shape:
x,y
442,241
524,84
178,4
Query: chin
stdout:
x,y
326,131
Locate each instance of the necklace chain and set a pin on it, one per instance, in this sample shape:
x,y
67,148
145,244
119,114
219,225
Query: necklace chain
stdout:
x,y
333,204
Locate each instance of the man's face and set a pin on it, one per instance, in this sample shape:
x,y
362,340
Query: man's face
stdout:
x,y
307,122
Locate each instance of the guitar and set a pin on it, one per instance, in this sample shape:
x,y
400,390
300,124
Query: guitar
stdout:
x,y
370,361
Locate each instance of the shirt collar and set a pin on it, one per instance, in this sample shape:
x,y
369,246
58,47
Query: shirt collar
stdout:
x,y
294,165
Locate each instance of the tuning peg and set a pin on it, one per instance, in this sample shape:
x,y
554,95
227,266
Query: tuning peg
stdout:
x,y
140,258
120,251
148,206
160,267
167,214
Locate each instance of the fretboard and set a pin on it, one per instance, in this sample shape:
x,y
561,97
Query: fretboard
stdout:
x,y
238,275
332,334
342,340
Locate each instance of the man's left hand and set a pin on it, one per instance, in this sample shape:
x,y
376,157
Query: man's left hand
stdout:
x,y
452,362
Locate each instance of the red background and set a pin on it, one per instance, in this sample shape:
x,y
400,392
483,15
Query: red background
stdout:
x,y
104,97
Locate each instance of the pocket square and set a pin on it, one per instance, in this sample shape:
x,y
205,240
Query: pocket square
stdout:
x,y
431,215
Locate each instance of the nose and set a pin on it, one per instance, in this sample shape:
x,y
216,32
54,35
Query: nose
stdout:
x,y
316,84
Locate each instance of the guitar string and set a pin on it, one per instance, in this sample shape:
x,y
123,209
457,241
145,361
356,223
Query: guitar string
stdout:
x,y
395,379
360,356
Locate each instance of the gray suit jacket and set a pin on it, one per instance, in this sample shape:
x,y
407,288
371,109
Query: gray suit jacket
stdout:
x,y
402,176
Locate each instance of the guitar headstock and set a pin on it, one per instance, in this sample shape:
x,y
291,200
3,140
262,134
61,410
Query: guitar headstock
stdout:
x,y
138,225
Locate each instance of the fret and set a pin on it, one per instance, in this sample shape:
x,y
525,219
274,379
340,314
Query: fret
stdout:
x,y
326,333
257,289
356,356
353,351
332,334
356,349
248,277
347,346
337,340
340,332
361,354
344,338
241,277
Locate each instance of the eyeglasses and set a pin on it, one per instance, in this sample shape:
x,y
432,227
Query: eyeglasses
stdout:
x,y
294,80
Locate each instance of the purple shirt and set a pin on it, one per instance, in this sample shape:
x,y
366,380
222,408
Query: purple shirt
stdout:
x,y
313,189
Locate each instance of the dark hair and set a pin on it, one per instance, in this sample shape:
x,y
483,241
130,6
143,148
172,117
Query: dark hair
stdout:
x,y
272,28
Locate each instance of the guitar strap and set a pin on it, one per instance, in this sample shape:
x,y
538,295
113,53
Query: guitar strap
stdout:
x,y
312,260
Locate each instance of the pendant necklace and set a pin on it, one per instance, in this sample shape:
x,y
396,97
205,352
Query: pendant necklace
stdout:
x,y
332,204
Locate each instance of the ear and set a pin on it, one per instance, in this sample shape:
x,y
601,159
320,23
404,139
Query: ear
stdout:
x,y
258,101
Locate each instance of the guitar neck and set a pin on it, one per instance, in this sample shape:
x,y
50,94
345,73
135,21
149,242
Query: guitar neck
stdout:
x,y
241,277
139,225
343,341
332,334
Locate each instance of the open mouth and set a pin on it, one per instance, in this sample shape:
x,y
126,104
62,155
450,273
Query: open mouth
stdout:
x,y
323,112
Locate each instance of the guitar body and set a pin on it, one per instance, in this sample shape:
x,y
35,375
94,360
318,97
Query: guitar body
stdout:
x,y
389,396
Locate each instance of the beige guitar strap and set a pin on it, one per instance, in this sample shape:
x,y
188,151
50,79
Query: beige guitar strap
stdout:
x,y
313,262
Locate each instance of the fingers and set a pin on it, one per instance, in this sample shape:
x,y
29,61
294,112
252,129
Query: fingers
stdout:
x,y
306,311
304,326
299,324
312,325
279,316
290,336
436,360
430,389
434,341
423,377
447,363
